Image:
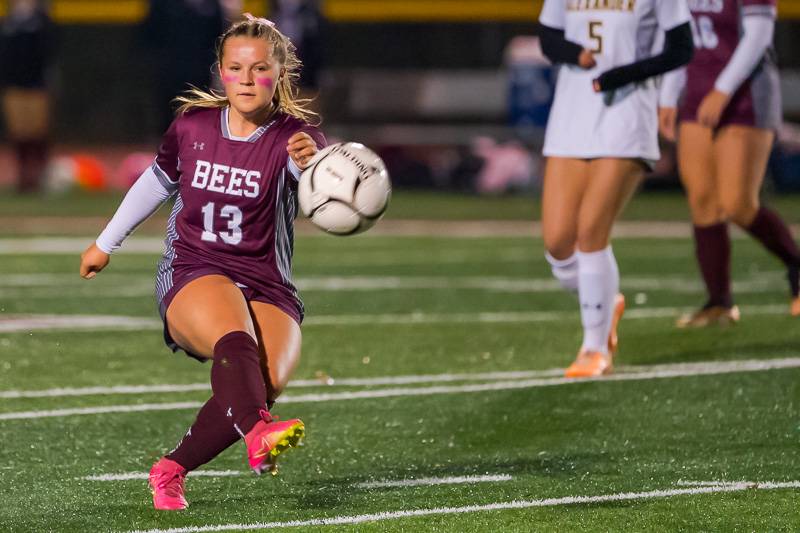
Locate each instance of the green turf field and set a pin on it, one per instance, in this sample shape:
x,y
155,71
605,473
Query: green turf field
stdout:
x,y
430,362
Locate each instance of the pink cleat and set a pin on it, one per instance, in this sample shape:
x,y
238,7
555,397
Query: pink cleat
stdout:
x,y
166,484
269,438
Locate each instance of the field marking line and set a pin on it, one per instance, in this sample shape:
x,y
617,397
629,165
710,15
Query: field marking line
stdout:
x,y
144,475
39,286
325,381
41,322
329,381
427,481
498,506
726,367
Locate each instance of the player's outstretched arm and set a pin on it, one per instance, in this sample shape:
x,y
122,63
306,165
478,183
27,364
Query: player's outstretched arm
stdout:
x,y
143,199
678,51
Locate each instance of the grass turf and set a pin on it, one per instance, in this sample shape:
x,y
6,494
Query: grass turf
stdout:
x,y
563,440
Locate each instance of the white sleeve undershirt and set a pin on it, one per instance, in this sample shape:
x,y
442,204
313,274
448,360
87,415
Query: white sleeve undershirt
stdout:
x,y
143,199
758,30
672,85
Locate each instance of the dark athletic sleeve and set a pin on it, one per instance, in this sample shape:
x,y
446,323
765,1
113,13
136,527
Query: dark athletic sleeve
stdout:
x,y
556,47
678,51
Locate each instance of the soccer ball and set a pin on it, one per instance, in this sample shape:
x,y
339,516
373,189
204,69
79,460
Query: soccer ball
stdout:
x,y
345,189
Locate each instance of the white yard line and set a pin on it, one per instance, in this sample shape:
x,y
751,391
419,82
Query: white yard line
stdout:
x,y
330,381
498,506
713,368
428,481
40,285
144,475
24,323
325,381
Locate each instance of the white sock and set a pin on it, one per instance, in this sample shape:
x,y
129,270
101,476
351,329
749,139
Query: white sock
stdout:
x,y
598,284
565,270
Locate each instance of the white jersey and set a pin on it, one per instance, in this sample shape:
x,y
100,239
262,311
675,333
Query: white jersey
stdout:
x,y
621,123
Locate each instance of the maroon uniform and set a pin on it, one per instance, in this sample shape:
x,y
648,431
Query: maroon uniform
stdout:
x,y
235,207
717,26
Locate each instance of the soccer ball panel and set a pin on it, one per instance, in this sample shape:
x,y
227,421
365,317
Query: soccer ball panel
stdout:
x,y
337,218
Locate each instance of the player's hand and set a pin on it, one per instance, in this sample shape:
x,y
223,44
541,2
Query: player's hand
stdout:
x,y
93,260
711,108
301,148
586,59
667,122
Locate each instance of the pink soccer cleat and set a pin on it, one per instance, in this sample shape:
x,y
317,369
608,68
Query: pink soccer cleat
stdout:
x,y
269,438
166,484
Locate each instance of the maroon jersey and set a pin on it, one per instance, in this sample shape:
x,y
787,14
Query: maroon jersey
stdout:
x,y
717,26
235,205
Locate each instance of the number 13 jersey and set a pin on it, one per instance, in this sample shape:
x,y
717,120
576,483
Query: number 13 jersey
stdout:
x,y
235,205
623,123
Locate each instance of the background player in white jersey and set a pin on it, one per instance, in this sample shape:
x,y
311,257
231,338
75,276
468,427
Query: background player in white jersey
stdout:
x,y
224,283
601,134
728,118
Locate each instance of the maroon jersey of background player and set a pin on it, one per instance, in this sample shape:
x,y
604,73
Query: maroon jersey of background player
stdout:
x,y
717,27
235,206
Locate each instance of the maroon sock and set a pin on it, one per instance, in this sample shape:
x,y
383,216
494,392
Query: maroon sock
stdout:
x,y
713,251
236,380
210,435
768,228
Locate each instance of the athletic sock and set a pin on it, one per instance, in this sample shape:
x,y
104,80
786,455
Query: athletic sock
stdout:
x,y
237,382
768,228
565,270
210,434
713,252
598,284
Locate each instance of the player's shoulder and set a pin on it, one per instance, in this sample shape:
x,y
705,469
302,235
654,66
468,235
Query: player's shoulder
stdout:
x,y
198,116
290,124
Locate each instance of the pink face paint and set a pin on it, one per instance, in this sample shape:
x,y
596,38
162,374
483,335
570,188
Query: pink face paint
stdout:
x,y
230,78
265,82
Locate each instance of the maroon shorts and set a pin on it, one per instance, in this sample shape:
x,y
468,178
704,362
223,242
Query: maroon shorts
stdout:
x,y
757,103
181,276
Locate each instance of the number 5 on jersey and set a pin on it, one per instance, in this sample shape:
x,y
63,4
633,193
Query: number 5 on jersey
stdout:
x,y
234,217
594,34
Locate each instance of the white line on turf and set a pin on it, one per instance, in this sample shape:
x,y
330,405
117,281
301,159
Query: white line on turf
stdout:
x,y
144,475
329,381
25,323
426,481
41,285
325,381
711,368
498,506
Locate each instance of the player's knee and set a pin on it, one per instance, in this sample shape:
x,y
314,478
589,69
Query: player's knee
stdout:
x,y
740,213
560,250
591,240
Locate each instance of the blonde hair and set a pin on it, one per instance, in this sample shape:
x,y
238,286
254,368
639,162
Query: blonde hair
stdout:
x,y
283,50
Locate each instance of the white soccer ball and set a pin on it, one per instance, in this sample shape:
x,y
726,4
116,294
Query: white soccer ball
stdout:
x,y
345,189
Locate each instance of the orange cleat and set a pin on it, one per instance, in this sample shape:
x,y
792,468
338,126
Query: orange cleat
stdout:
x,y
714,315
590,365
795,306
619,310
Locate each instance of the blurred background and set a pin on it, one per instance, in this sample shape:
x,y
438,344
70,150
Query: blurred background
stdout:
x,y
454,94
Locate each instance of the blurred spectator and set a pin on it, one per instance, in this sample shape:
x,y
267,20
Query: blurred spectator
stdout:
x,y
25,53
183,35
303,22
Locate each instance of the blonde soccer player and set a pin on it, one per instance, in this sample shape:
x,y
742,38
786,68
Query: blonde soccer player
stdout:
x,y
728,118
601,138
224,284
